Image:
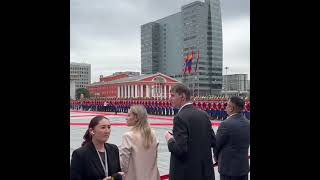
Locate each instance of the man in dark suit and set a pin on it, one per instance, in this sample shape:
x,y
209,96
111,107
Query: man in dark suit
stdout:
x,y
192,139
233,141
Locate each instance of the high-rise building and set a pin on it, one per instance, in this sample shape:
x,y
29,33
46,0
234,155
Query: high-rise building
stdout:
x,y
196,29
83,72
73,79
236,82
130,73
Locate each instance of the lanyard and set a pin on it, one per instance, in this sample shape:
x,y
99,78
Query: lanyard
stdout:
x,y
105,160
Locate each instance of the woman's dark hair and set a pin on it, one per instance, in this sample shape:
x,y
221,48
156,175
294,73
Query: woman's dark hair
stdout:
x,y
93,123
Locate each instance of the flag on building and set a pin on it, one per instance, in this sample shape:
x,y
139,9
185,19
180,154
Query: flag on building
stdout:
x,y
198,57
185,64
189,62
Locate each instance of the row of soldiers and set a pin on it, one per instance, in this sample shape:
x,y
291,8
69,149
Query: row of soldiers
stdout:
x,y
216,108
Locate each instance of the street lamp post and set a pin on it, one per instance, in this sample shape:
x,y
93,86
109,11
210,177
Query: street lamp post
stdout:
x,y
226,80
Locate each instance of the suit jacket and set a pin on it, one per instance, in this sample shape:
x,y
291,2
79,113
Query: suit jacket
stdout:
x,y
137,162
233,141
191,155
85,162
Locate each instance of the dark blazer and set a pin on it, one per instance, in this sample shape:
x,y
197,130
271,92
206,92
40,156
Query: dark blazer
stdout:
x,y
85,162
191,154
233,141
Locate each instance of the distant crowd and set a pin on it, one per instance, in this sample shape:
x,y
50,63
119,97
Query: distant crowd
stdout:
x,y
194,147
214,106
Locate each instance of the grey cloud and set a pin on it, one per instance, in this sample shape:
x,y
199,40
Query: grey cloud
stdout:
x,y
105,30
233,9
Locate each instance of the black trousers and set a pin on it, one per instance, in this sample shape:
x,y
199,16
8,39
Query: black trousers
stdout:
x,y
223,177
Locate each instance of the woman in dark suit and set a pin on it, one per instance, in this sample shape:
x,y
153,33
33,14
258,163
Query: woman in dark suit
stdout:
x,y
96,159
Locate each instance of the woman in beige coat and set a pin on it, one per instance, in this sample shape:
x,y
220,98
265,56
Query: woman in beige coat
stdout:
x,y
139,148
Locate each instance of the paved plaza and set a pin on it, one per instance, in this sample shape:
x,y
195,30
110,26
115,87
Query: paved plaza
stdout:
x,y
79,124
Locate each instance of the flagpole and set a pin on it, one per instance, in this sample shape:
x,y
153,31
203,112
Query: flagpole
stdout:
x,y
198,82
196,70
193,85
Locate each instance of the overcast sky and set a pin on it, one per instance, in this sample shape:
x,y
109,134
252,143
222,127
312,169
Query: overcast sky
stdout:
x,y
106,33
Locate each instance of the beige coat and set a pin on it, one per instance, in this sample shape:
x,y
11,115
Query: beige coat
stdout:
x,y
137,162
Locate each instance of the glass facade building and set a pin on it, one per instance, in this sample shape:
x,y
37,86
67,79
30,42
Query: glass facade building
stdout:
x,y
196,29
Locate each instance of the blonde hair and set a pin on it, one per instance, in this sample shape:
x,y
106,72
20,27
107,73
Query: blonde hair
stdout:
x,y
142,124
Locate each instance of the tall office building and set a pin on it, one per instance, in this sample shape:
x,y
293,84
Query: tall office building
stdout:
x,y
83,73
166,42
236,82
73,79
130,73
